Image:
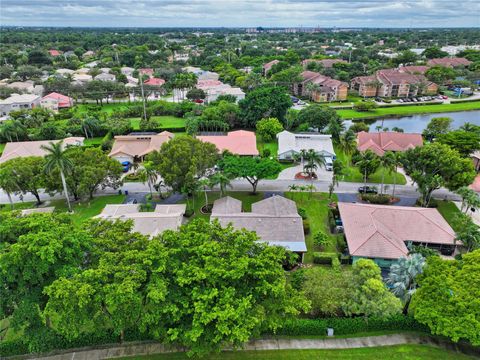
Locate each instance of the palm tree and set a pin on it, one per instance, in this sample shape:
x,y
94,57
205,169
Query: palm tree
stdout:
x,y
348,144
335,128
149,175
205,183
56,159
222,181
402,277
315,158
8,131
387,161
311,89
8,184
89,125
396,162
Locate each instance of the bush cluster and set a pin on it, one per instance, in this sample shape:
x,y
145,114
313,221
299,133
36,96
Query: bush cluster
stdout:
x,y
324,258
381,199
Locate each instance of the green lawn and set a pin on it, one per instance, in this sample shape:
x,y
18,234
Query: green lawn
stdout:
x,y
246,197
408,110
107,108
316,207
93,141
164,121
450,212
398,352
82,210
352,174
2,146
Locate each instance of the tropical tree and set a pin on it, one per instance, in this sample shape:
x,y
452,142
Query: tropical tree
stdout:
x,y
387,162
402,277
222,180
314,160
8,183
396,162
368,163
348,144
89,125
150,175
55,159
205,183
470,199
468,233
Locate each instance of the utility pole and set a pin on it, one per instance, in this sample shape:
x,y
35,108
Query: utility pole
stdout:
x,y
143,98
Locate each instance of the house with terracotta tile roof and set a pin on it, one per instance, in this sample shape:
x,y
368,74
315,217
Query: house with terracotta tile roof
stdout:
x,y
414,69
449,62
327,89
34,148
379,142
146,71
136,146
154,82
268,66
239,142
275,220
55,101
54,53
393,83
384,233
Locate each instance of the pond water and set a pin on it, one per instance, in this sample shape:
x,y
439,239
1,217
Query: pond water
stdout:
x,y
416,123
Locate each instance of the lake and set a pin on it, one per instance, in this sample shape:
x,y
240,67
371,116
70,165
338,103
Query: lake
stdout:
x,y
416,123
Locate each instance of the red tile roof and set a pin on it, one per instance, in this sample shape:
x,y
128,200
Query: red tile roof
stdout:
x,y
238,142
54,52
380,231
154,82
379,142
63,101
450,62
414,69
269,65
146,71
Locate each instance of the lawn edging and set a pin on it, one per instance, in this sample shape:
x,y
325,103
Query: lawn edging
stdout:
x,y
140,348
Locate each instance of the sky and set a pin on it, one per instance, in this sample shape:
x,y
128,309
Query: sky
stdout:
x,y
241,13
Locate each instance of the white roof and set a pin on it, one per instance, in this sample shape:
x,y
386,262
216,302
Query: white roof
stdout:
x,y
16,98
43,210
165,217
288,141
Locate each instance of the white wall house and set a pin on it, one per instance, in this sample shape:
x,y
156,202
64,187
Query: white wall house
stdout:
x,y
18,102
290,144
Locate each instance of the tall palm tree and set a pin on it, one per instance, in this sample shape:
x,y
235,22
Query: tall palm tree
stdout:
x,y
312,88
397,161
8,184
205,183
56,159
348,144
222,181
402,277
387,161
149,175
89,125
315,158
8,131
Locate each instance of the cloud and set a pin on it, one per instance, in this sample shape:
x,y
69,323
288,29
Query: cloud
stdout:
x,y
240,13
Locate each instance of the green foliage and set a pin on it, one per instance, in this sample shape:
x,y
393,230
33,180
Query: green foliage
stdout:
x,y
250,168
324,258
382,199
356,127
464,142
302,212
364,106
264,102
321,239
447,300
268,128
370,297
317,116
440,74
368,162
435,165
182,159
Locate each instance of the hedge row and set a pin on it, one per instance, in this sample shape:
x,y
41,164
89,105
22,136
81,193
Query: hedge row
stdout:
x,y
453,101
347,326
296,327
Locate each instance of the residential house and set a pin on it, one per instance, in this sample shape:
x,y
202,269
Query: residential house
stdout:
x,y
379,142
54,53
393,83
291,145
105,70
326,88
202,74
34,148
275,220
65,72
239,142
105,77
81,79
55,101
164,217
326,63
18,102
84,70
136,146
27,86
146,71
449,62
128,71
88,54
385,233
214,88
154,82
414,69
268,66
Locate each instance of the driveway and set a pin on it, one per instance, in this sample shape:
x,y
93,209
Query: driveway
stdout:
x,y
289,173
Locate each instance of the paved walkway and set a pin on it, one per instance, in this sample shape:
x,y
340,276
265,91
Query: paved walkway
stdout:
x,y
149,348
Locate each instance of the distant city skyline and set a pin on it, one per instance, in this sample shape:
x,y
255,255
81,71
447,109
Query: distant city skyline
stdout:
x,y
241,13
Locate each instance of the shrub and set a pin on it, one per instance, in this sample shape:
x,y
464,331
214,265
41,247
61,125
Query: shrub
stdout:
x,y
188,213
382,199
321,239
297,278
266,153
323,258
335,263
347,326
302,212
341,244
306,226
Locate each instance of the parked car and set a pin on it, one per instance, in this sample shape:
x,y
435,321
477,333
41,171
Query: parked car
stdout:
x,y
367,190
126,166
328,165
